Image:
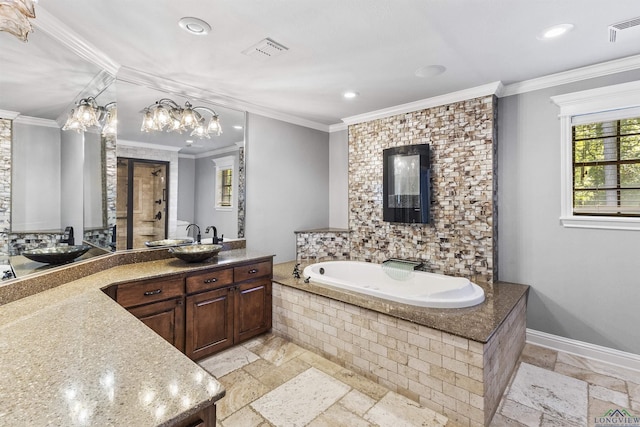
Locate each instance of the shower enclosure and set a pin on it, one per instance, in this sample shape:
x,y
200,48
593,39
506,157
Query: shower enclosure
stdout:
x,y
141,202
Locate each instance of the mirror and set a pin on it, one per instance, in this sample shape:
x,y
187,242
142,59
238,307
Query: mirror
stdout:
x,y
44,171
195,168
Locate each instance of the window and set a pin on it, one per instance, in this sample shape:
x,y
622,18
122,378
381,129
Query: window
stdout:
x,y
600,140
606,168
224,183
225,177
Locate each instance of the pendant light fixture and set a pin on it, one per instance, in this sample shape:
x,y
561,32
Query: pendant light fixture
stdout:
x,y
87,113
14,17
166,115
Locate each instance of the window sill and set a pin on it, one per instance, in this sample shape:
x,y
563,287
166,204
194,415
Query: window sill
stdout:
x,y
224,208
600,223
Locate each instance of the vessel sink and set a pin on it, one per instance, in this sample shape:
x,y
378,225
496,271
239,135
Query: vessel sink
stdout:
x,y
195,253
168,242
56,255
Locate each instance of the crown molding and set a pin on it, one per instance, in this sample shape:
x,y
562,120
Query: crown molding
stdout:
x,y
449,98
98,84
36,121
337,127
151,81
11,115
51,25
224,150
615,97
136,144
584,73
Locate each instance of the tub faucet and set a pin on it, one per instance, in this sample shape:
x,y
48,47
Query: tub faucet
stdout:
x,y
198,236
215,239
67,236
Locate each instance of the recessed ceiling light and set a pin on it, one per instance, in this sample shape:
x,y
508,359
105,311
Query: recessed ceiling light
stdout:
x,y
194,26
237,127
555,31
430,71
350,94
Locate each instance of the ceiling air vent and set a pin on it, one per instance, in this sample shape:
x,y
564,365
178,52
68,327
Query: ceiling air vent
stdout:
x,y
624,30
265,49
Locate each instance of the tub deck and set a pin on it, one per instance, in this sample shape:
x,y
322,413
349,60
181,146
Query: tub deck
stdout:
x,y
477,323
455,361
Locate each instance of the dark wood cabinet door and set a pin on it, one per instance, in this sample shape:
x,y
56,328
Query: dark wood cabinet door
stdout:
x,y
209,324
166,318
252,309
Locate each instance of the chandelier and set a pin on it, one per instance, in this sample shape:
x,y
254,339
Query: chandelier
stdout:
x,y
167,115
14,17
88,113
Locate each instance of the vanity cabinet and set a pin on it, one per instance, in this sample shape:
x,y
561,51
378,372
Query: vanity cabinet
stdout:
x,y
159,304
228,306
204,312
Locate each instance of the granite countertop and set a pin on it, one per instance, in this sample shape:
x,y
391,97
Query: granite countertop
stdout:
x,y
477,323
70,355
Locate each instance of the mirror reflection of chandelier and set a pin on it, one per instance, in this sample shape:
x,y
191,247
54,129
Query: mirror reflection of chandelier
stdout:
x,y
167,115
14,17
88,113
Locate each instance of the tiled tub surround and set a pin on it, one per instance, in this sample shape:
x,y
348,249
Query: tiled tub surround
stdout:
x,y
73,356
460,239
322,243
457,362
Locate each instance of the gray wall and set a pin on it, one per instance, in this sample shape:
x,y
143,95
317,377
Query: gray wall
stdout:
x,y
585,283
186,188
287,184
92,182
36,178
226,222
339,179
71,185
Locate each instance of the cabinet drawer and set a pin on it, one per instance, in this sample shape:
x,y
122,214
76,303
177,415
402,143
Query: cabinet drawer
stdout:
x,y
146,291
251,271
209,280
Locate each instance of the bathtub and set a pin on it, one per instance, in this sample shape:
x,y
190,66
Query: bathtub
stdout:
x,y
416,288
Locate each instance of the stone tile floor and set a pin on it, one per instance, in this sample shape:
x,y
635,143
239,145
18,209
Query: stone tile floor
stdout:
x,y
273,382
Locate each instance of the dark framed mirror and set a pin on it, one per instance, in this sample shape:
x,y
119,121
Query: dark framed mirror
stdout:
x,y
406,181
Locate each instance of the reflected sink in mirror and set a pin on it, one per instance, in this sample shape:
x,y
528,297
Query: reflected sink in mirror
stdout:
x,y
168,243
195,253
56,255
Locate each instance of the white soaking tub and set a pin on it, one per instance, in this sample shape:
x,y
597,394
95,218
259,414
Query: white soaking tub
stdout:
x,y
416,288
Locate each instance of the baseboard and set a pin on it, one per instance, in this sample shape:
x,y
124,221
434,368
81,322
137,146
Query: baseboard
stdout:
x,y
583,349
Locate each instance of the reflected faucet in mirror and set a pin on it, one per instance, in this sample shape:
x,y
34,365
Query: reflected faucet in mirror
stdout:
x,y
68,237
215,240
198,236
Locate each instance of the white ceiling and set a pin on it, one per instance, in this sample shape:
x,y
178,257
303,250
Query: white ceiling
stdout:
x,y
370,46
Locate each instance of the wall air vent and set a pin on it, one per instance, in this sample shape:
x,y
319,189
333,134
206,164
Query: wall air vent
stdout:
x,y
625,30
265,49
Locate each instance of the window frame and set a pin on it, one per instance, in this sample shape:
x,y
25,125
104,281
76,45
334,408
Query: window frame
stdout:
x,y
221,164
606,103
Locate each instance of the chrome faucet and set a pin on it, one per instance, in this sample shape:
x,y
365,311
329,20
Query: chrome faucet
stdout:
x,y
215,239
198,236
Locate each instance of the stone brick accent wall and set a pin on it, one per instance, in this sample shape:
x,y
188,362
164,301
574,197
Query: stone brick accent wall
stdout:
x,y
460,239
5,184
242,192
322,245
460,378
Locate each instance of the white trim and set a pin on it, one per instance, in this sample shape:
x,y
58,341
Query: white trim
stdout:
x,y
587,106
461,95
583,349
136,144
572,76
36,121
10,115
338,127
52,26
228,149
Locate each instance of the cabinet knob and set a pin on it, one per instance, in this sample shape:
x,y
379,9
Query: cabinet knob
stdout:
x,y
253,271
213,280
156,292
